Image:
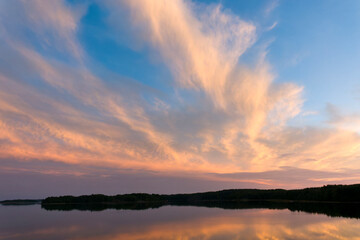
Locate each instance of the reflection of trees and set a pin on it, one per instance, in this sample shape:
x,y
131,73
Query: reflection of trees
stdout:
x,y
350,210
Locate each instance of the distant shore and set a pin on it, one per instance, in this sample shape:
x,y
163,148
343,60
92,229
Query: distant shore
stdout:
x,y
328,193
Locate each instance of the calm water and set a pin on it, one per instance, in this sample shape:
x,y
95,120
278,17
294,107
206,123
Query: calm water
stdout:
x,y
172,222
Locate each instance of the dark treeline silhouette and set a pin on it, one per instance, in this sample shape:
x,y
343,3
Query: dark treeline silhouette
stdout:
x,y
329,193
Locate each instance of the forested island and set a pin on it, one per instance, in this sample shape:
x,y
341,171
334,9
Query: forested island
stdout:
x,y
328,193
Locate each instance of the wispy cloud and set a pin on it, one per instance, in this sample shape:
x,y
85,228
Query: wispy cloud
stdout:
x,y
272,5
337,118
272,26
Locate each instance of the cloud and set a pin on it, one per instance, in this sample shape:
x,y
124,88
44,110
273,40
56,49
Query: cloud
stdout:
x,y
291,177
202,48
272,5
340,120
272,26
220,116
52,24
39,179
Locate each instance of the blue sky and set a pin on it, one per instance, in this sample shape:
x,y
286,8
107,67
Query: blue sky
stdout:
x,y
236,93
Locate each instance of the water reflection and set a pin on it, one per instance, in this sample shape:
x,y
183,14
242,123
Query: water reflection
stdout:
x,y
173,222
351,210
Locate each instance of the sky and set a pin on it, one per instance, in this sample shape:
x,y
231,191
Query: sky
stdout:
x,y
122,96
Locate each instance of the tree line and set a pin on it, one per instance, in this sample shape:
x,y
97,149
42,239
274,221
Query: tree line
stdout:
x,y
328,193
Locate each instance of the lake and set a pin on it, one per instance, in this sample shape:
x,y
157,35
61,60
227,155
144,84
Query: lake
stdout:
x,y
173,222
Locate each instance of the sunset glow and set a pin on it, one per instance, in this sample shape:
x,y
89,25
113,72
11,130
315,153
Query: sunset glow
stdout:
x,y
168,96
